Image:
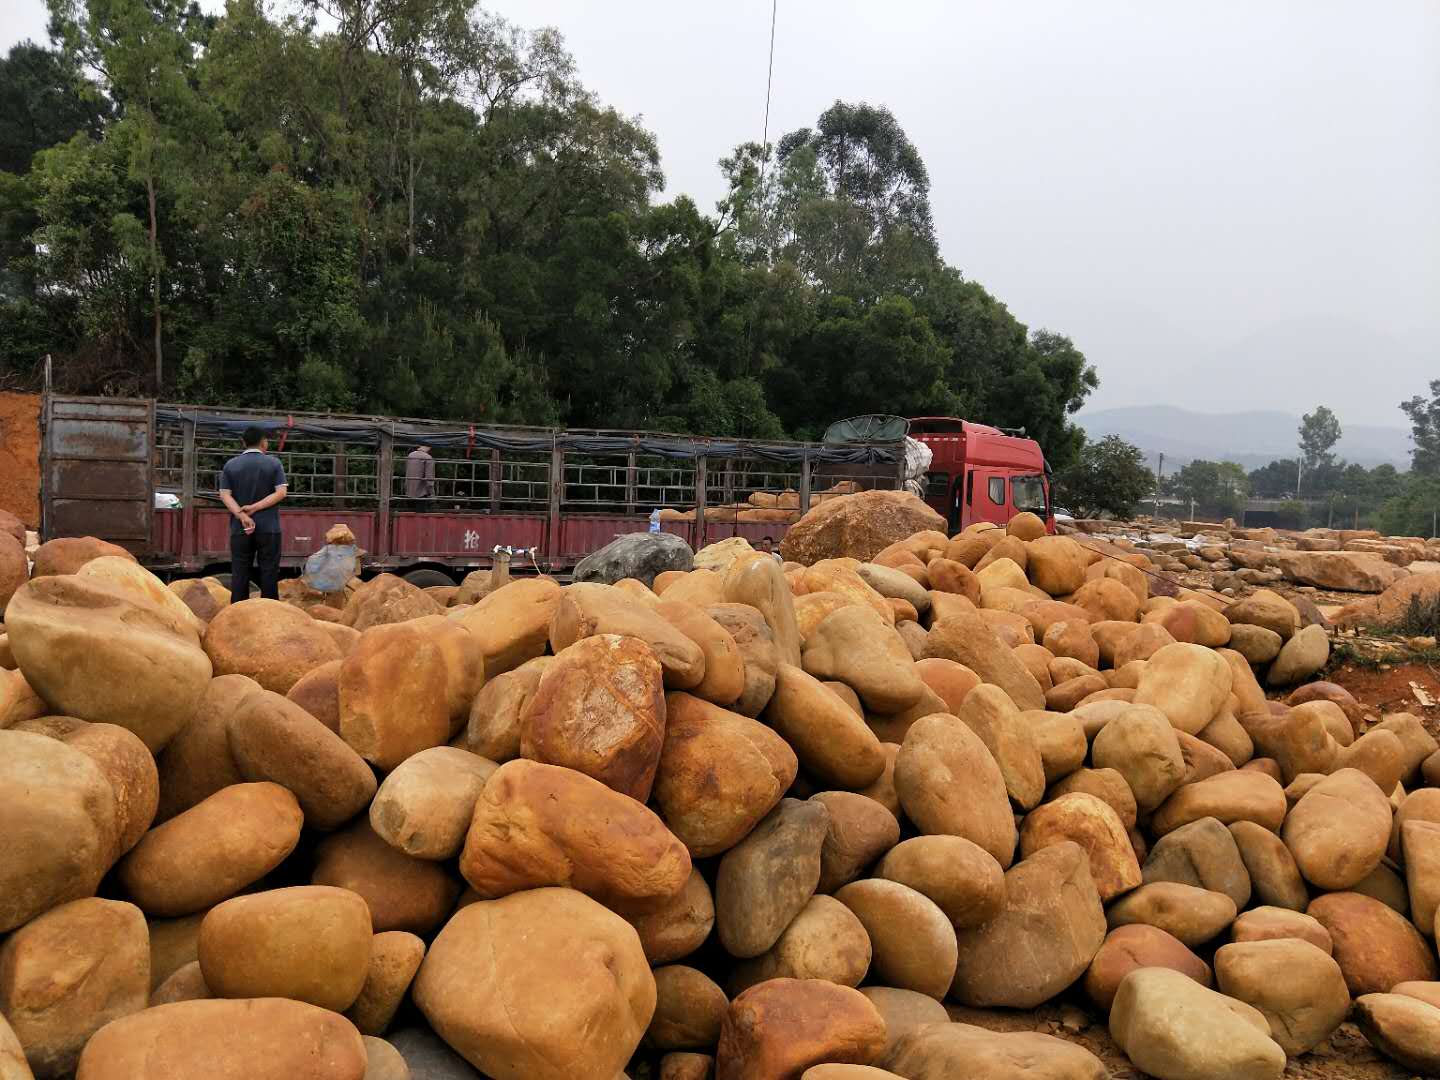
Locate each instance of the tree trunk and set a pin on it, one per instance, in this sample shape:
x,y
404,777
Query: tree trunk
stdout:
x,y
155,282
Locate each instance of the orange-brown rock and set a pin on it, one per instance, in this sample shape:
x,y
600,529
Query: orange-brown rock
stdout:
x,y
402,892
600,709
829,739
272,738
512,624
255,1039
538,825
778,1029
270,641
565,991
96,651
394,695
67,554
589,608
68,973
424,806
318,693
680,926
939,756
309,943
213,850
1376,947
394,959
968,640
724,680
719,774
857,526
1094,825
1138,946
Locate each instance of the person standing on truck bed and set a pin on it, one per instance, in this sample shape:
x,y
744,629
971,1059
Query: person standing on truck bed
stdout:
x,y
252,484
420,477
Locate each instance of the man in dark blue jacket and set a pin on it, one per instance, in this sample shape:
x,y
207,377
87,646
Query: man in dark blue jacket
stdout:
x,y
252,485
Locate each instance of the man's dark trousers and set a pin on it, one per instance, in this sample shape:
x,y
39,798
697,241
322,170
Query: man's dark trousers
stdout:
x,y
247,550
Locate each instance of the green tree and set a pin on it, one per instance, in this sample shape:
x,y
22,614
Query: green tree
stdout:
x,y
1424,416
1216,487
44,100
1319,432
1108,477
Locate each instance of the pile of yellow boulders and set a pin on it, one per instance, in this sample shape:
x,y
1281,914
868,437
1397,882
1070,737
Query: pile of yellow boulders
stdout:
x,y
752,821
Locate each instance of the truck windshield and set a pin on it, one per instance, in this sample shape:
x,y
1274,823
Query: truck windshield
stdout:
x,y
1028,493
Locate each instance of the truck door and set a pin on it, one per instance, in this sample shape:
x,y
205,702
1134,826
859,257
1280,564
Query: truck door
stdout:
x,y
95,469
986,497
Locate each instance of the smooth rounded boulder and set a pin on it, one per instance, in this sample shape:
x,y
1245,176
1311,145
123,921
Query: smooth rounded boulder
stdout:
x,y
689,1009
952,1051
780,1028
213,850
833,744
394,959
68,973
272,738
1127,948
719,774
253,1039
1140,745
967,639
589,608
1376,947
308,943
271,641
1204,854
941,755
962,878
824,941
1052,926
512,624
857,647
1300,657
860,831
424,807
197,762
1187,912
96,652
724,680
765,880
1402,1028
493,729
1297,987
1188,683
130,770
536,825
913,941
600,709
402,892
1268,923
761,656
1237,795
1274,877
564,990
1339,830
1173,1028
394,695
59,818
990,714
1091,823
679,926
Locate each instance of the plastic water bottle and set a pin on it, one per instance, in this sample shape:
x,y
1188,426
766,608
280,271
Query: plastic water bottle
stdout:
x,y
654,521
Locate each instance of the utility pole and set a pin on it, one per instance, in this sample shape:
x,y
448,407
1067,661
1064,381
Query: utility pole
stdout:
x,y
1159,479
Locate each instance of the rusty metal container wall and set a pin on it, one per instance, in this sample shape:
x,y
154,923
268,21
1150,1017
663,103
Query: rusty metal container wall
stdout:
x,y
96,471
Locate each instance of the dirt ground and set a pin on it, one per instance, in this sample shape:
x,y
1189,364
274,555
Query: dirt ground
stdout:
x,y
20,456
1346,1055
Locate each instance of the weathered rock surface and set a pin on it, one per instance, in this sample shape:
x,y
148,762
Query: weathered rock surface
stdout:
x,y
636,555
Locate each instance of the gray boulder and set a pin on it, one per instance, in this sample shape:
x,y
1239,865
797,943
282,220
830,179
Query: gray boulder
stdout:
x,y
636,555
428,1056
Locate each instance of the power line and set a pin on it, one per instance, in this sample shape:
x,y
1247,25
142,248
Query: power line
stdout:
x,y
769,82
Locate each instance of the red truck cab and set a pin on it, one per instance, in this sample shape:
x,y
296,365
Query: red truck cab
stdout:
x,y
981,473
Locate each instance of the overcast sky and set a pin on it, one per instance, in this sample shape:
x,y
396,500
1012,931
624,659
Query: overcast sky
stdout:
x,y
1227,205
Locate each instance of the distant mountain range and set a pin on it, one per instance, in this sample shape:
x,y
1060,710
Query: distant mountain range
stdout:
x,y
1251,439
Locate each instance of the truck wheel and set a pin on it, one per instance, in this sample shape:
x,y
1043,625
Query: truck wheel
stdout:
x,y
424,579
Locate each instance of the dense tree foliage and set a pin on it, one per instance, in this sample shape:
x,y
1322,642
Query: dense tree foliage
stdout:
x,y
1107,478
416,207
1217,488
1319,432
1424,416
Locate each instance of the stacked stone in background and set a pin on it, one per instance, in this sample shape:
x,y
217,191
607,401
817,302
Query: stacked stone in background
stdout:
x,y
753,821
